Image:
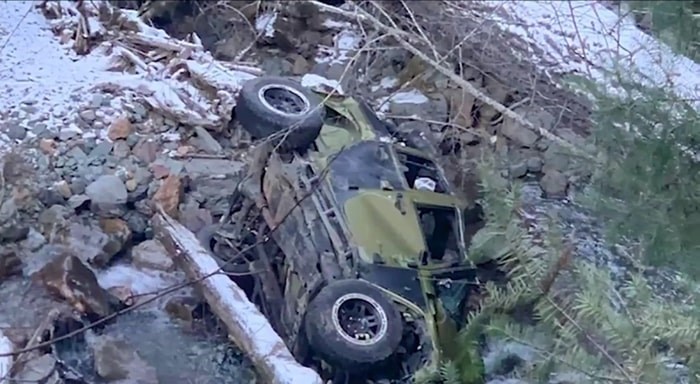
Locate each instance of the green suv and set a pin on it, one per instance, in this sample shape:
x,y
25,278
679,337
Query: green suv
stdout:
x,y
367,277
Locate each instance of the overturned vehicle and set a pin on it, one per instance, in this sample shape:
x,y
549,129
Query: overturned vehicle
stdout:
x,y
366,276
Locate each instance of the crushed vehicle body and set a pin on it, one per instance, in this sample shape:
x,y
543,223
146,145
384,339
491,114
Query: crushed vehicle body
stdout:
x,y
367,277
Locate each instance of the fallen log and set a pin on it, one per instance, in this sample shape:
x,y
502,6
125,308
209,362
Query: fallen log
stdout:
x,y
248,328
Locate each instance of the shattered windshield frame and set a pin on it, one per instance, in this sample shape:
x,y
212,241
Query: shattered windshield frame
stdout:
x,y
366,165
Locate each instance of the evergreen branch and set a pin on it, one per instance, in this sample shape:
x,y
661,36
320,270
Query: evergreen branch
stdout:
x,y
592,341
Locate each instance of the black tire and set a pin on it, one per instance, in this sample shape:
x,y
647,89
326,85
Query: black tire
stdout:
x,y
334,344
261,119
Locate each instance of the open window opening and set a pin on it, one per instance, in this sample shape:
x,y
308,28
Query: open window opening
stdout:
x,y
473,222
440,231
332,117
421,173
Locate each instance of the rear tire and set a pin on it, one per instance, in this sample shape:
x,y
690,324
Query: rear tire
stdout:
x,y
269,106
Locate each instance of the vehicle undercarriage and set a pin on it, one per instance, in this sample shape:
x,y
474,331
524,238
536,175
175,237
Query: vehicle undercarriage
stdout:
x,y
348,238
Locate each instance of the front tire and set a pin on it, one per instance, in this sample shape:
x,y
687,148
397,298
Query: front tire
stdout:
x,y
353,326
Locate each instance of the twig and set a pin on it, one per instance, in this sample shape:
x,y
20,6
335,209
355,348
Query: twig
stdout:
x,y
585,334
36,338
12,33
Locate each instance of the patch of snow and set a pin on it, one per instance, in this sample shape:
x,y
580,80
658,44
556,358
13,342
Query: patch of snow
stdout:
x,y
386,83
36,70
568,30
320,83
6,347
139,281
412,96
335,24
345,45
389,82
265,23
267,348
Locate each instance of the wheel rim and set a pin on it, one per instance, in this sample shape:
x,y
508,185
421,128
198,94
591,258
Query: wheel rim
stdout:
x,y
284,100
359,319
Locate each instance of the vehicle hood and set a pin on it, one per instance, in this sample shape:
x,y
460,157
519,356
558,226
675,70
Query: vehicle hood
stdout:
x,y
385,225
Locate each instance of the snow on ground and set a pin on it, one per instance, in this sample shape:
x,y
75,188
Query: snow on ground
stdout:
x,y
6,346
320,83
265,24
345,43
37,71
567,30
140,281
411,96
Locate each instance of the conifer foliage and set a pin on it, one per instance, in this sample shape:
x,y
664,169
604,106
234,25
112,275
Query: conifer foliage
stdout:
x,y
581,325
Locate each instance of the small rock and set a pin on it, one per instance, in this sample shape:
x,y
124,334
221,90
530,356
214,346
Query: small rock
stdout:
x,y
88,115
116,360
209,167
554,184
63,188
169,195
120,128
151,254
101,150
90,243
34,240
523,135
534,164
518,170
96,100
16,132
556,158
132,140
182,308
69,132
176,167
54,221
36,370
48,146
119,236
107,193
206,142
123,294
140,111
13,232
68,278
76,201
50,196
121,149
138,223
212,192
160,171
195,218
185,149
131,185
10,263
301,65
146,151
78,185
